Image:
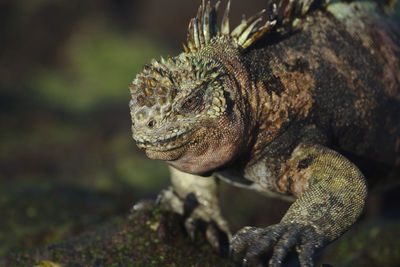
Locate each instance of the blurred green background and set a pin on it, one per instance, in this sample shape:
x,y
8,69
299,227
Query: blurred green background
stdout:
x,y
67,160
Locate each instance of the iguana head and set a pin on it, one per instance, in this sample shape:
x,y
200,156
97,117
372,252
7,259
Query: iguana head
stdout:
x,y
185,109
179,108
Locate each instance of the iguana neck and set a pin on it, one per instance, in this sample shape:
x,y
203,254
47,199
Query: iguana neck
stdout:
x,y
242,92
284,90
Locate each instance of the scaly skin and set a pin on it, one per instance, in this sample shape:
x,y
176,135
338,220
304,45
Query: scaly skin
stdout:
x,y
276,108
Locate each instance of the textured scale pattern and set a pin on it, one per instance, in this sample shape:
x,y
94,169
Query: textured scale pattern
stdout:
x,y
162,84
274,105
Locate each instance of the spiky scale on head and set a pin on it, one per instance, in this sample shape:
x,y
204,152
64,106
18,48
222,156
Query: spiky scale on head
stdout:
x,y
173,88
175,101
154,90
168,76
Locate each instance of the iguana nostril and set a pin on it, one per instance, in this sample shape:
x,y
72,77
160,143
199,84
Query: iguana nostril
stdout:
x,y
151,123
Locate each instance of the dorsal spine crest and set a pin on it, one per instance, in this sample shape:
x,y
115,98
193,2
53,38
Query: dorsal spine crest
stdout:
x,y
281,15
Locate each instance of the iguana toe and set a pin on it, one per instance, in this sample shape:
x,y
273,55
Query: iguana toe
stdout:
x,y
251,243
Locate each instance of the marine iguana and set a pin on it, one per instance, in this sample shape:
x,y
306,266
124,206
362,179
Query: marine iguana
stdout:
x,y
276,105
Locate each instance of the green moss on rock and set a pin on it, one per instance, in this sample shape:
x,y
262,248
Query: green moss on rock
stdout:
x,y
148,237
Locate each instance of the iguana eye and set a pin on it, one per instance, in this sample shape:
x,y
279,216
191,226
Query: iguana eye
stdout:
x,y
192,102
189,103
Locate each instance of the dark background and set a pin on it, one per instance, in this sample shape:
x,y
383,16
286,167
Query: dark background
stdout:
x,y
67,160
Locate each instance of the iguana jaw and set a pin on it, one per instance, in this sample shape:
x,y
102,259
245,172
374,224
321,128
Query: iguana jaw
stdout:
x,y
205,147
165,142
170,148
166,155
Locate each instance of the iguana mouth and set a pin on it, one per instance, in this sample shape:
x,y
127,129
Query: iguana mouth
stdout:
x,y
165,142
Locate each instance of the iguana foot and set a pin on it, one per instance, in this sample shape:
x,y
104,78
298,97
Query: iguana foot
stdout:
x,y
198,218
251,242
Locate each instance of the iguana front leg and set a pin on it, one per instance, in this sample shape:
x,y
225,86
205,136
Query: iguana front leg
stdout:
x,y
331,195
196,199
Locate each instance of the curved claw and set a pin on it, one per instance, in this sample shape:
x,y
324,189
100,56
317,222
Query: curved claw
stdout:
x,y
191,228
309,243
169,200
305,252
198,218
218,238
212,235
280,238
282,247
242,239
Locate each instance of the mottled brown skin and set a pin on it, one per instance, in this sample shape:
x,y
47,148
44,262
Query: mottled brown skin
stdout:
x,y
333,90
291,109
